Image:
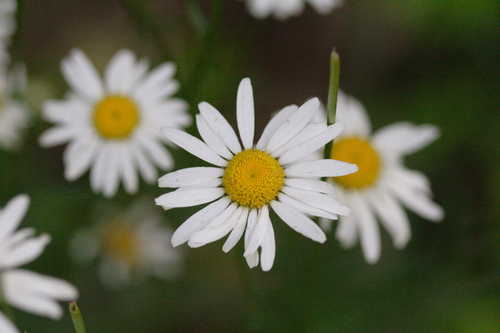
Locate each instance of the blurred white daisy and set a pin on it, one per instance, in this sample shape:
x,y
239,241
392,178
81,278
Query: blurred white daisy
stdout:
x,y
248,179
7,25
112,125
20,288
283,9
383,184
14,114
129,246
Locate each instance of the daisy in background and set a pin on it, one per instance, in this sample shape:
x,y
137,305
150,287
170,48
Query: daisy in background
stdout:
x,y
283,9
249,179
383,184
129,246
20,288
7,25
112,125
14,114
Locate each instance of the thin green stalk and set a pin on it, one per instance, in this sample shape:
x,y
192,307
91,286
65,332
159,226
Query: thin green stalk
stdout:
x,y
334,86
196,16
77,318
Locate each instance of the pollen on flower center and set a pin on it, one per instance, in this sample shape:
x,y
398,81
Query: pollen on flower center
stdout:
x,y
253,178
116,117
360,152
120,242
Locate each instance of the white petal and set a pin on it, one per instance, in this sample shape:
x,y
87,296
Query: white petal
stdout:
x,y
157,84
82,76
259,232
308,133
218,228
146,168
404,138
36,293
415,180
81,154
98,169
311,145
189,197
392,216
268,252
352,114
220,126
319,200
156,151
6,326
128,172
368,228
320,168
253,259
237,232
190,177
308,184
298,221
198,221
245,113
274,124
304,208
418,203
57,135
12,215
111,179
211,139
25,252
293,125
346,232
193,146
118,73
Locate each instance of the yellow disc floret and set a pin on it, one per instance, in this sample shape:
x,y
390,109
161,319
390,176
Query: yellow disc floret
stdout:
x,y
115,117
253,178
360,152
120,243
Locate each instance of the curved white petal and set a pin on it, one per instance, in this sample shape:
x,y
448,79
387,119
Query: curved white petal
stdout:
x,y
311,145
212,139
309,184
259,232
245,113
418,202
352,114
320,168
294,124
198,221
274,124
190,177
220,126
24,252
82,76
268,252
368,228
194,146
188,197
305,208
252,259
81,154
6,326
404,138
346,232
392,216
118,73
237,231
12,214
298,221
319,200
218,228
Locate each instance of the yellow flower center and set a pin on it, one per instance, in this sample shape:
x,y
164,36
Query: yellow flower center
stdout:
x,y
120,242
360,152
115,117
253,178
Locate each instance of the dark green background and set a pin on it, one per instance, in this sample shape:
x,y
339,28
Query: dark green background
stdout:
x,y
425,61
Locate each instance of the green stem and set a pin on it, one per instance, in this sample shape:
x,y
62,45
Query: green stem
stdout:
x,y
334,86
77,318
196,16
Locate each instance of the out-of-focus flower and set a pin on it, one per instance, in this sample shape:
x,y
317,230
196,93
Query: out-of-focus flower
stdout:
x,y
283,9
112,125
20,288
249,179
7,25
14,114
382,183
129,246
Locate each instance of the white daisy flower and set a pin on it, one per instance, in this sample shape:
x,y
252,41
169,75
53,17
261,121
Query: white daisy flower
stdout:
x,y
283,9
129,246
112,125
14,114
250,179
20,288
382,183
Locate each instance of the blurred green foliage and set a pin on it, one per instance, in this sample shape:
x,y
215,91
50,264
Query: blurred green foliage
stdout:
x,y
424,61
